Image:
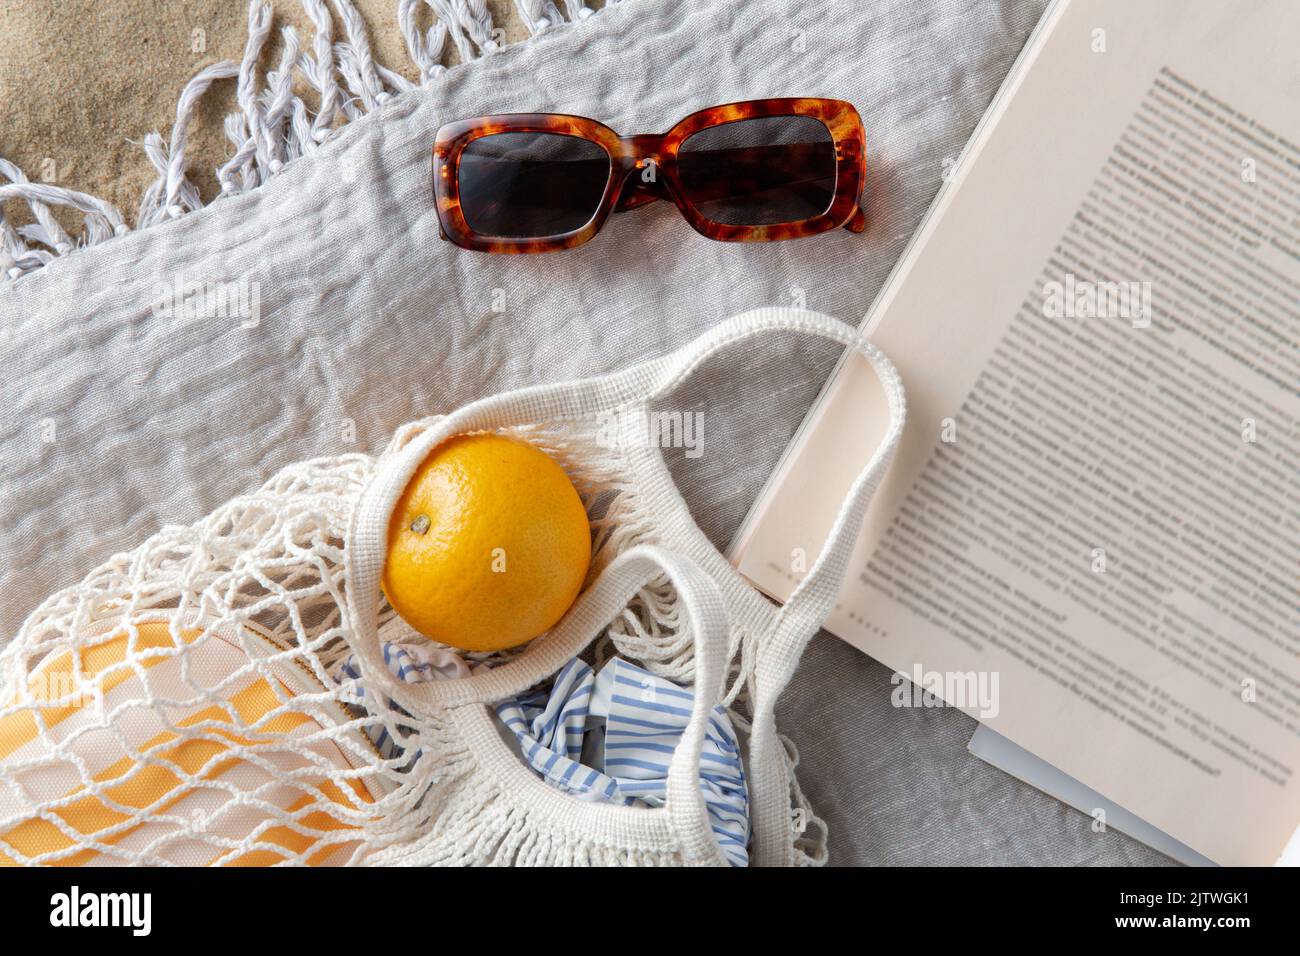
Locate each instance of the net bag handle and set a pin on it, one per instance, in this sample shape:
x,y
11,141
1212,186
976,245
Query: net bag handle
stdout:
x,y
368,526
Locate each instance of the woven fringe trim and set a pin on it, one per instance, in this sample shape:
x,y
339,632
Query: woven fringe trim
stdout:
x,y
272,126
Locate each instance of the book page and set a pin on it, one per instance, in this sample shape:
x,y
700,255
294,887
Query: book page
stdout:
x,y
1091,537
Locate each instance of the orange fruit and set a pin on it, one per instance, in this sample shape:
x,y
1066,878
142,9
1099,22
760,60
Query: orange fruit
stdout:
x,y
488,545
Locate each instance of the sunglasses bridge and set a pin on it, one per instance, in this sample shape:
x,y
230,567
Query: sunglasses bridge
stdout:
x,y
640,171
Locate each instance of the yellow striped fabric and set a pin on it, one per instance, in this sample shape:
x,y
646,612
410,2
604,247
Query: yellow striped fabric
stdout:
x,y
175,762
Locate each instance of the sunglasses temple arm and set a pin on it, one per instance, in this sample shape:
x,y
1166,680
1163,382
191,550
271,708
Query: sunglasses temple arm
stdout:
x,y
632,198
858,221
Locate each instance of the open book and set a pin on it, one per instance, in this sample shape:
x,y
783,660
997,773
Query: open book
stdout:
x,y
1090,539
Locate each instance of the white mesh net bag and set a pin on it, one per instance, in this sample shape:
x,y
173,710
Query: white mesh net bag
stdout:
x,y
225,694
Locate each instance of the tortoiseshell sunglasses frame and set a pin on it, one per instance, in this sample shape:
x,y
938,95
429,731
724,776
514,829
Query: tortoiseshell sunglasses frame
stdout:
x,y
627,154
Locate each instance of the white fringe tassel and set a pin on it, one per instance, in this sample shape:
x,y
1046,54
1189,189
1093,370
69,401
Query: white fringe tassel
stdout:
x,y
272,126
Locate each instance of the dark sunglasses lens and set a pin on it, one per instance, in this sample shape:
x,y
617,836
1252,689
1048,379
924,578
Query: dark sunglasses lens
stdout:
x,y
761,171
531,185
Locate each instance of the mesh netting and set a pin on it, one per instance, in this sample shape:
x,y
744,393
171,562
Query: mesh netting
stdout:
x,y
189,702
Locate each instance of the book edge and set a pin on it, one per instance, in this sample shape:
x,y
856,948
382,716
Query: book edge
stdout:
x,y
735,549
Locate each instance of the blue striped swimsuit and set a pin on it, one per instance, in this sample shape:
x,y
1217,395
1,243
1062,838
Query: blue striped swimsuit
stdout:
x,y
609,737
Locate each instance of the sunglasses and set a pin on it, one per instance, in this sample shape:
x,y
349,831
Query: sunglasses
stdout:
x,y
745,172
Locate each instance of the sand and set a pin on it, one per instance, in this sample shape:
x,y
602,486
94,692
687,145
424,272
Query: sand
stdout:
x,y
83,81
